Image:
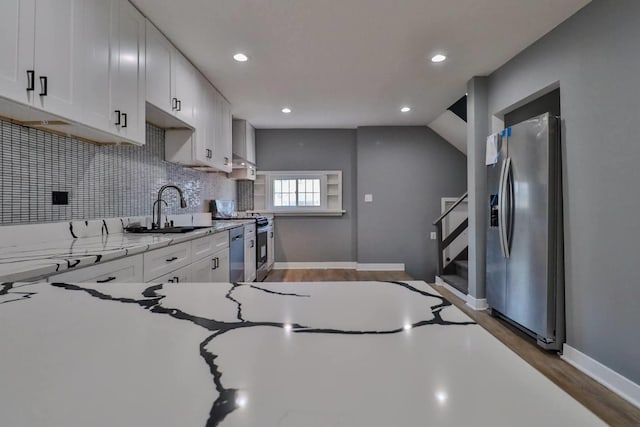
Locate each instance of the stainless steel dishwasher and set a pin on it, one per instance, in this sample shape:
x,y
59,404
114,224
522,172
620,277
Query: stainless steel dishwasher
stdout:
x,y
236,254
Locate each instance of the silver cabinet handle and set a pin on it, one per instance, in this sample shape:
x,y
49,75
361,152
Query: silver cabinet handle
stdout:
x,y
44,83
119,115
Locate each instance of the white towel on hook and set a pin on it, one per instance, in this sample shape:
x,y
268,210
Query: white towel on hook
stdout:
x,y
493,142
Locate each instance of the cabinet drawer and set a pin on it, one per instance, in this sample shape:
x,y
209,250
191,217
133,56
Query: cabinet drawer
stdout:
x,y
249,231
220,241
162,261
204,247
181,275
125,270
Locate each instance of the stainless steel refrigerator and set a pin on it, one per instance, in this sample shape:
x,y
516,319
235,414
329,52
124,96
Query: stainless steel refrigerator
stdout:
x,y
525,274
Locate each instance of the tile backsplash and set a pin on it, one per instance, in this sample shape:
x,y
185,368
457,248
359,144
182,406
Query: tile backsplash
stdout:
x,y
102,181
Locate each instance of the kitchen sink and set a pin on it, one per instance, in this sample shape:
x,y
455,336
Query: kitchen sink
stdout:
x,y
166,230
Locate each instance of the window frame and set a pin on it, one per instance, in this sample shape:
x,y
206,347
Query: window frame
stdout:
x,y
288,176
326,208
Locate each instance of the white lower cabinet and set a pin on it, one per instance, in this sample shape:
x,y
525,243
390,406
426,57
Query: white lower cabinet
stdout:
x,y
220,268
250,244
202,260
201,271
125,270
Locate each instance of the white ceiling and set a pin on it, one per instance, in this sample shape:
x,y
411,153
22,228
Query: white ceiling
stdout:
x,y
349,63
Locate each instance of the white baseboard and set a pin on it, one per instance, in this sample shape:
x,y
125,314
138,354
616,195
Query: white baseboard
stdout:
x,y
617,383
314,265
450,288
477,304
380,267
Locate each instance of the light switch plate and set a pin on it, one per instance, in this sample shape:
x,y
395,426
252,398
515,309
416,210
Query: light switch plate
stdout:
x,y
433,235
368,198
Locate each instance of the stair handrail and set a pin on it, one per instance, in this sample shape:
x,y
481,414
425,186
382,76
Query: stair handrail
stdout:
x,y
444,243
451,208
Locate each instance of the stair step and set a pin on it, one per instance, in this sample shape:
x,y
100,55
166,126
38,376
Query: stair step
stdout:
x,y
458,282
462,268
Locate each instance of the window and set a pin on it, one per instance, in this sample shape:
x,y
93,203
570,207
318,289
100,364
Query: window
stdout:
x,y
299,193
296,192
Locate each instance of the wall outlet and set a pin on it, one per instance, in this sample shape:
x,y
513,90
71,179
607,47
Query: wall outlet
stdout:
x,y
368,198
60,197
434,236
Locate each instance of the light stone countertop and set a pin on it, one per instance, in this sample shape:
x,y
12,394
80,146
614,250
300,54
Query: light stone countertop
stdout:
x,y
24,258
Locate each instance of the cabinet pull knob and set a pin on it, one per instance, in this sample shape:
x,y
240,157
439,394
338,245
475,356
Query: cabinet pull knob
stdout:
x,y
174,103
179,105
109,279
30,80
177,279
44,85
124,120
226,161
119,114
172,259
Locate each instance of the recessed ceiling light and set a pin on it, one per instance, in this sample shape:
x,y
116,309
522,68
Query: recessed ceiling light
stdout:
x,y
240,57
286,110
438,58
242,164
405,109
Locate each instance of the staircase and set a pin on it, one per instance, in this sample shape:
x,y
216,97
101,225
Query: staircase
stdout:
x,y
453,272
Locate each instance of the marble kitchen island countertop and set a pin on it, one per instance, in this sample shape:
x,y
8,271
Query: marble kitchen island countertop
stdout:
x,y
344,354
32,260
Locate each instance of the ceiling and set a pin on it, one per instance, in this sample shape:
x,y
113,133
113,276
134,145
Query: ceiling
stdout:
x,y
349,63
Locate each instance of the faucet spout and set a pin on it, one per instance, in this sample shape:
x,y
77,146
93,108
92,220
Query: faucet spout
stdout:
x,y
183,203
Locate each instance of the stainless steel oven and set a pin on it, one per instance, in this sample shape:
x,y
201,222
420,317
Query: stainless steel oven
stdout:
x,y
262,269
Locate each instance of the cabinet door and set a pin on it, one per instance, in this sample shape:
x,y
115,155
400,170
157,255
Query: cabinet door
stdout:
x,y
128,73
158,69
186,87
220,272
205,124
225,145
58,57
17,22
96,79
271,247
250,259
202,271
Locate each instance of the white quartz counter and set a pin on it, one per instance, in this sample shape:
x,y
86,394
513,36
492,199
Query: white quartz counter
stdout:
x,y
54,248
359,354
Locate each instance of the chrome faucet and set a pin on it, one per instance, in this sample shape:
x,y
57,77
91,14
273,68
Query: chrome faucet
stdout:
x,y
159,201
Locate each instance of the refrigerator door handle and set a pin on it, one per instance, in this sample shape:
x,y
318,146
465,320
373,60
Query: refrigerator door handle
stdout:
x,y
506,165
512,206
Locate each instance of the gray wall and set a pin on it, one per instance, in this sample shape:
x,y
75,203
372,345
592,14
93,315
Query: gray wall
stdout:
x,y
594,57
313,239
408,170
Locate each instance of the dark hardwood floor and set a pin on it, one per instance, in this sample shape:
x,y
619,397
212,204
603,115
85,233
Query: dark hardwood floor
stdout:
x,y
331,275
607,405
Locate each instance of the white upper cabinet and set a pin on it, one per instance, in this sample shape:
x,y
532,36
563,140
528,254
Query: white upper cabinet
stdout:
x,y
158,69
58,59
244,143
98,22
185,84
82,61
41,54
17,21
172,81
128,76
226,143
